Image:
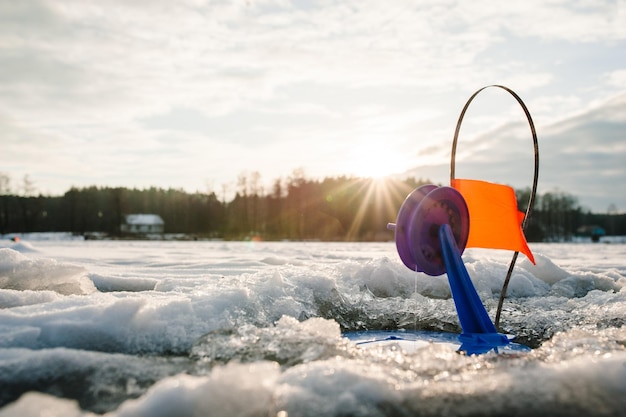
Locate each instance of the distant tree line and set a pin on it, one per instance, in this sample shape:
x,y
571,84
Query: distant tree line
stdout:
x,y
298,208
557,216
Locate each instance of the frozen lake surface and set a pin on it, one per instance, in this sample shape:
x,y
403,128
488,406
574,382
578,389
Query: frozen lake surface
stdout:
x,y
172,328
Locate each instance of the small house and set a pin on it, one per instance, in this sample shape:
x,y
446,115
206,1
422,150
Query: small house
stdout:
x,y
142,224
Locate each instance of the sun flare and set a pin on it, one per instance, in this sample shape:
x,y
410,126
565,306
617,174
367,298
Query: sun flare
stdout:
x,y
382,196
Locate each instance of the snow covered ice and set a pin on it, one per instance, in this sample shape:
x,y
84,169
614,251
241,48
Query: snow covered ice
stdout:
x,y
166,328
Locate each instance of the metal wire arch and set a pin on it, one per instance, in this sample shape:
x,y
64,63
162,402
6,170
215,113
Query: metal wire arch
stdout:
x,y
531,199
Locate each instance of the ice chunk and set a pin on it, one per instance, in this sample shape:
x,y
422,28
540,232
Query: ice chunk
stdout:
x,y
545,269
18,272
33,404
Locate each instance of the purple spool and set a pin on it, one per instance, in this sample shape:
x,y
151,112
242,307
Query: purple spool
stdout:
x,y
418,222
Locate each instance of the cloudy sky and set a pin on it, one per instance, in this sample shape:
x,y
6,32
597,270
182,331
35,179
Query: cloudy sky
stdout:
x,y
193,94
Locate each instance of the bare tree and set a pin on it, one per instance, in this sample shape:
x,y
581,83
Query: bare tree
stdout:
x,y
5,191
28,186
5,183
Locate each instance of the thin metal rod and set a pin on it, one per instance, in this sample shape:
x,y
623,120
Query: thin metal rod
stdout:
x,y
533,192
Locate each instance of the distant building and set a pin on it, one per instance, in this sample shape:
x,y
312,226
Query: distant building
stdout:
x,y
143,224
595,232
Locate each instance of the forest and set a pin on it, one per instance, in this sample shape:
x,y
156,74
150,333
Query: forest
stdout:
x,y
296,208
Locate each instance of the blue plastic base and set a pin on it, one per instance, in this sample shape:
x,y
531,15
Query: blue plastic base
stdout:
x,y
413,340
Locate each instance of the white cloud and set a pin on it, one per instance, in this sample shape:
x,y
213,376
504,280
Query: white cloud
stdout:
x,y
178,93
617,78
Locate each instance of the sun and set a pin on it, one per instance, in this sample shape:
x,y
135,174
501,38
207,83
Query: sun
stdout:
x,y
375,160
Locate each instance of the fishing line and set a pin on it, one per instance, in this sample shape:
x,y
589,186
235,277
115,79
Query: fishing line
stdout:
x,y
416,298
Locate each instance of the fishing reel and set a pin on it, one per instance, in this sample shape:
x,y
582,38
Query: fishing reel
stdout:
x,y
419,219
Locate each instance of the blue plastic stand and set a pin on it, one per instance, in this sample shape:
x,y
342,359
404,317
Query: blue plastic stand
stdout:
x,y
479,333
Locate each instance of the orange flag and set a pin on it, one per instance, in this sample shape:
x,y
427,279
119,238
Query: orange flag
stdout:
x,y
495,221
